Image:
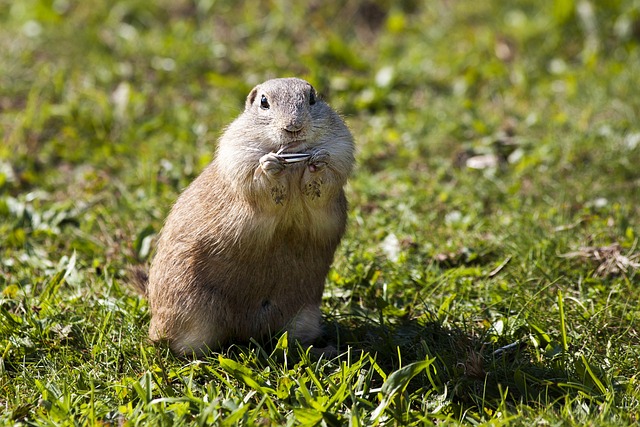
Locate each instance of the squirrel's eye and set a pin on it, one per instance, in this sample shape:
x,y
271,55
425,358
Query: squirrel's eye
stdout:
x,y
264,104
312,97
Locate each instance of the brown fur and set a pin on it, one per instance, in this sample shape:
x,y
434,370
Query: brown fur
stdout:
x,y
247,246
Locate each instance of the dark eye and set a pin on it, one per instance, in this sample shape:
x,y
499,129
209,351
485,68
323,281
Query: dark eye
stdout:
x,y
264,104
312,97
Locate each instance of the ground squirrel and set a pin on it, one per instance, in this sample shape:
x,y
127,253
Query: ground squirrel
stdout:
x,y
247,246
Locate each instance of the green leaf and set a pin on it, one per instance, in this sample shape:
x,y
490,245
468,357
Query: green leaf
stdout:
x,y
307,416
51,288
563,327
444,307
284,387
283,342
543,337
244,374
236,415
398,381
588,376
563,10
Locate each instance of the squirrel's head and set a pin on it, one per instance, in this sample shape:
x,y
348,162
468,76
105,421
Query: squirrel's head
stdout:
x,y
288,109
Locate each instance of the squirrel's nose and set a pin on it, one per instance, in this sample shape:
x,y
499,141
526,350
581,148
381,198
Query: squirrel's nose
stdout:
x,y
295,122
294,126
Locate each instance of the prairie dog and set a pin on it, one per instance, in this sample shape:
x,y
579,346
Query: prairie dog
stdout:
x,y
247,246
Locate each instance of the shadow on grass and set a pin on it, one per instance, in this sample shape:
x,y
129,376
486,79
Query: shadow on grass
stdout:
x,y
472,374
467,376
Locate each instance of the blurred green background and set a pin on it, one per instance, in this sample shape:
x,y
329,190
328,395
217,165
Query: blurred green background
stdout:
x,y
99,97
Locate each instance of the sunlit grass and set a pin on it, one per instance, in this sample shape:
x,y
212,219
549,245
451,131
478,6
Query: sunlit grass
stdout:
x,y
490,269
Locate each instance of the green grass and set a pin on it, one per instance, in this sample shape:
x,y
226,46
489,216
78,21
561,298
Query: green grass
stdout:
x,y
489,274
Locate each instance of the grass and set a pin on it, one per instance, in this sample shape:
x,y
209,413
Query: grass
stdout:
x,y
489,274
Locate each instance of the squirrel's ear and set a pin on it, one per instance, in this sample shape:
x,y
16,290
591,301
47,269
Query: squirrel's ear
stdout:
x,y
251,98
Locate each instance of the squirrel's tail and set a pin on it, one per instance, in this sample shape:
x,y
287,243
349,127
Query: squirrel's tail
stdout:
x,y
139,279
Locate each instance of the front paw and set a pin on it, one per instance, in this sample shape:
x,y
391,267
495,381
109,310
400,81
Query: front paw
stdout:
x,y
270,164
319,160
